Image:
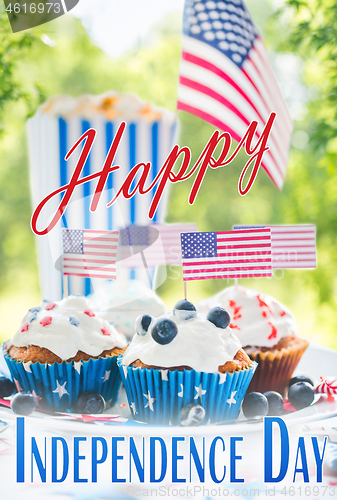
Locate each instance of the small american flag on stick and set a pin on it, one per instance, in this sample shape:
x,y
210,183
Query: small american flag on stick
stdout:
x,y
226,254
292,246
226,78
89,253
160,244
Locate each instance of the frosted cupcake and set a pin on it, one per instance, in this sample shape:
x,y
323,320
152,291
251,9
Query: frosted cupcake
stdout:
x,y
121,302
267,331
63,349
182,358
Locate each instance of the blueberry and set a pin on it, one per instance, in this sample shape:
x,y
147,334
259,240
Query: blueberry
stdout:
x,y
142,324
191,414
164,331
275,403
301,395
254,405
90,402
219,317
184,310
23,403
6,387
301,378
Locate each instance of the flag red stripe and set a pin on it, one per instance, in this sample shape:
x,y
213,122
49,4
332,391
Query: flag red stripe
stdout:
x,y
222,270
256,275
203,263
112,247
106,276
113,261
91,268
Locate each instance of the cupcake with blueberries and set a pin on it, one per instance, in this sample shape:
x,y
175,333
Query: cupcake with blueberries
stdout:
x,y
267,331
62,350
184,358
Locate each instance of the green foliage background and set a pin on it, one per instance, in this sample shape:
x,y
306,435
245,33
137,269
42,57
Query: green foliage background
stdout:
x,y
67,61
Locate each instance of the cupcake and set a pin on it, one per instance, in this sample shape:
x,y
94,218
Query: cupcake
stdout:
x,y
267,331
181,358
63,349
121,302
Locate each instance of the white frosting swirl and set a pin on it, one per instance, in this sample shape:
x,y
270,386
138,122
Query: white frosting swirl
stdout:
x,y
198,344
257,319
67,327
123,301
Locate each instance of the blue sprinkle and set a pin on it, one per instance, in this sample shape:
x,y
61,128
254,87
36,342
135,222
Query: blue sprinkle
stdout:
x,y
111,322
32,316
74,321
34,309
45,300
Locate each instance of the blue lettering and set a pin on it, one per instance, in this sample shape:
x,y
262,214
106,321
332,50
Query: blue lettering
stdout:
x,y
38,460
65,454
194,454
153,459
268,449
212,460
115,458
234,458
175,458
77,458
94,460
136,460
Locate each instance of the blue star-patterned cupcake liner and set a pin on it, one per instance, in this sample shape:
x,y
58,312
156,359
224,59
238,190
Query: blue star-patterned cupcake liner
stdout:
x,y
57,386
157,396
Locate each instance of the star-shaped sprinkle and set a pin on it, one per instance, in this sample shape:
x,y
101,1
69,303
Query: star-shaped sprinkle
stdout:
x,y
74,321
77,366
27,366
222,378
50,306
35,309
232,399
25,327
164,374
133,407
89,313
150,401
200,392
32,317
181,393
105,331
61,389
46,321
106,375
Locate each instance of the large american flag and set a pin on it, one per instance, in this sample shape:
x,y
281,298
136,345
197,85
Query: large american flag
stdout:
x,y
157,243
89,253
226,254
292,246
226,78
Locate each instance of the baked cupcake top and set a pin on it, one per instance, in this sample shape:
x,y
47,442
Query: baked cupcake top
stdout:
x,y
257,319
183,338
67,327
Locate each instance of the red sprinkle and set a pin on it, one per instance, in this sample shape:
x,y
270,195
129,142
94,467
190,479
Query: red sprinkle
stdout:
x,y
283,313
234,326
105,331
50,306
273,334
123,405
89,313
46,321
25,327
263,304
264,314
